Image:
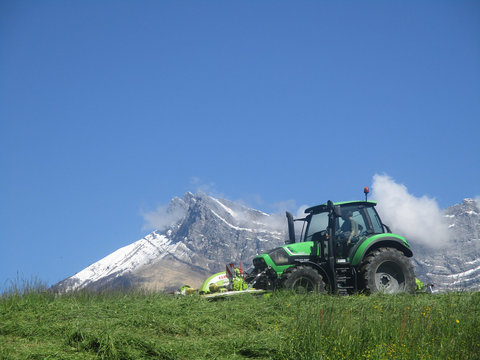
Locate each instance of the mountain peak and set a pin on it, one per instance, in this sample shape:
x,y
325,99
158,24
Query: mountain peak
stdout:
x,y
473,203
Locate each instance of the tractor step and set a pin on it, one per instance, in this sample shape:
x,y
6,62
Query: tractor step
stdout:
x,y
346,280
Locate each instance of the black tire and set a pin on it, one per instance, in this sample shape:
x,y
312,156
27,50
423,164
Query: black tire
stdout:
x,y
303,279
388,271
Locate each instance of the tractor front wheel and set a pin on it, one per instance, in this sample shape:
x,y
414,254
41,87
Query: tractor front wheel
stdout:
x,y
388,271
302,279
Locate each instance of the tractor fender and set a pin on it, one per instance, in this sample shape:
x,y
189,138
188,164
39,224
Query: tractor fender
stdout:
x,y
327,279
380,240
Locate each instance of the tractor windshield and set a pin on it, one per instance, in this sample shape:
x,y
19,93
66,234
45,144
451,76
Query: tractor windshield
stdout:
x,y
358,221
317,223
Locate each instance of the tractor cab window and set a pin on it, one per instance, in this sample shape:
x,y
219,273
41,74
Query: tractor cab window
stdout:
x,y
352,220
350,229
377,227
318,222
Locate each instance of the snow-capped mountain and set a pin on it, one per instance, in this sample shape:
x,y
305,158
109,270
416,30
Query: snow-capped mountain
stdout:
x,y
210,232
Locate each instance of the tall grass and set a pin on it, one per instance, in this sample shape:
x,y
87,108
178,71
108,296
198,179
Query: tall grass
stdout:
x,y
21,286
39,325
386,327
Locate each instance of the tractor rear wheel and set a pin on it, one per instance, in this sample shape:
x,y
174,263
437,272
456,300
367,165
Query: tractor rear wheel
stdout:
x,y
302,279
389,271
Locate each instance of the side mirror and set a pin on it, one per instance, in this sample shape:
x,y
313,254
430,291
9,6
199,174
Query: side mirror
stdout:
x,y
336,210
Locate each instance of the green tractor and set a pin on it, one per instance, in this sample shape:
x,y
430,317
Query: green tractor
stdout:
x,y
345,249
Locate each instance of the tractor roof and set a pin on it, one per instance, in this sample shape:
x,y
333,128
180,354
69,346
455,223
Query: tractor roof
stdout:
x,y
323,207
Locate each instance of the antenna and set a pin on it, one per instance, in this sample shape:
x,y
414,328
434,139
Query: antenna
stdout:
x,y
366,190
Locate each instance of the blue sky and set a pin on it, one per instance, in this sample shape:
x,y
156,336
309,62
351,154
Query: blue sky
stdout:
x,y
109,109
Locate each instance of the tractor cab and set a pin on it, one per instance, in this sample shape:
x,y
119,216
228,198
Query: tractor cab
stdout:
x,y
340,226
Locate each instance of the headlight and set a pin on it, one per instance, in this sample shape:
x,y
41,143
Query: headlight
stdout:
x,y
279,256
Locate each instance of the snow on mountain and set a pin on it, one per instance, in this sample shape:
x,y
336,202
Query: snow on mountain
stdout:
x,y
124,260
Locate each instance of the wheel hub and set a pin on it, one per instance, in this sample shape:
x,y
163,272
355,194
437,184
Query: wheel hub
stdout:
x,y
303,285
389,278
384,280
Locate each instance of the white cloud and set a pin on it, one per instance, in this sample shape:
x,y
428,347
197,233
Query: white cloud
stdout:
x,y
418,219
209,188
282,206
477,200
301,211
161,218
278,220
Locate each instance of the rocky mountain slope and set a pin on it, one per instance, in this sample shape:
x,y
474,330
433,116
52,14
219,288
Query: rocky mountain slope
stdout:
x,y
457,265
211,232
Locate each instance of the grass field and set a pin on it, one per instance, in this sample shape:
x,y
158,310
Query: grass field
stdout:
x,y
38,325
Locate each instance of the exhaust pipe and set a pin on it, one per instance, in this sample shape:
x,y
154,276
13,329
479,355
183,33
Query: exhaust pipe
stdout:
x,y
291,228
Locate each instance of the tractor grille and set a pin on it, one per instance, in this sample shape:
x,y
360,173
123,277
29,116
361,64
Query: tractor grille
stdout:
x,y
259,263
